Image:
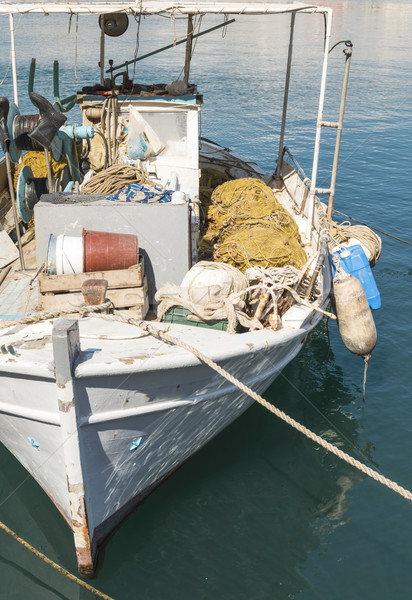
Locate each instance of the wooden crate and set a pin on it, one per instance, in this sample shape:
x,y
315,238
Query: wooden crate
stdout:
x,y
124,278
127,289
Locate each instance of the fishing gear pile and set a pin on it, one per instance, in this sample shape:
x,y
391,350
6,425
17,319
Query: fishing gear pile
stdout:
x,y
246,226
37,162
211,292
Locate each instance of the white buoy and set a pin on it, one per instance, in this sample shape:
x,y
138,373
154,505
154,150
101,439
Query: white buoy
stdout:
x,y
355,320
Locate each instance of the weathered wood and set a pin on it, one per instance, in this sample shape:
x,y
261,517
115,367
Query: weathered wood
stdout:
x,y
8,250
121,298
66,348
94,291
123,278
139,311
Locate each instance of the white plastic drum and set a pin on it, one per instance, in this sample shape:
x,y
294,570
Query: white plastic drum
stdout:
x,y
65,255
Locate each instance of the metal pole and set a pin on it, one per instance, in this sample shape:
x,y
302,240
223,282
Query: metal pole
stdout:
x,y
348,53
196,35
101,62
311,206
13,203
285,97
13,61
48,170
188,47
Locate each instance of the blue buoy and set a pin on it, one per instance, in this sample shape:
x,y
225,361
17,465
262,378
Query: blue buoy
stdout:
x,y
355,262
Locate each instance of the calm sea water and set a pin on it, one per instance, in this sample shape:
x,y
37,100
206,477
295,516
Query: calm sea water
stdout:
x,y
261,513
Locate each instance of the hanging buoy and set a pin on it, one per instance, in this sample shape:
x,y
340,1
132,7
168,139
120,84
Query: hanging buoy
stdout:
x,y
355,321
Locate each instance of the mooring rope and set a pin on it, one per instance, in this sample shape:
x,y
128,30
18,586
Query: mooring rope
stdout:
x,y
164,336
279,413
55,566
46,315
374,228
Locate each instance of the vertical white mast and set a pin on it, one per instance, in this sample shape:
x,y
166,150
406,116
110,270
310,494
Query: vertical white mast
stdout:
x,y
13,60
312,191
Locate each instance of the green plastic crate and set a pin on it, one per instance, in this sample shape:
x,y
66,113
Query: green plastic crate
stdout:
x,y
178,314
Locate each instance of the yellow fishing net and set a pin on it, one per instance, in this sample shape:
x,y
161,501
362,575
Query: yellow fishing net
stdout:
x,y
37,162
247,226
209,180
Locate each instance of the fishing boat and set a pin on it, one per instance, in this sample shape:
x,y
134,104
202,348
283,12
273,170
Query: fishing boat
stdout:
x,y
100,407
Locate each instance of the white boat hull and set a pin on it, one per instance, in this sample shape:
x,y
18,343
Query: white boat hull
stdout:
x,y
108,429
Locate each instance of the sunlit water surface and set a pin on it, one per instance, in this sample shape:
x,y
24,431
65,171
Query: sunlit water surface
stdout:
x,y
262,513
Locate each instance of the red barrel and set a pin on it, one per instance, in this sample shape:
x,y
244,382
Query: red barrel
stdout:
x,y
104,251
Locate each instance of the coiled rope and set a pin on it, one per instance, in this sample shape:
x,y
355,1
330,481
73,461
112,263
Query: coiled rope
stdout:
x,y
114,178
343,232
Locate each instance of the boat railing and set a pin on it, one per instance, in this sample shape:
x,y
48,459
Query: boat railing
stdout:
x,y
302,175
323,231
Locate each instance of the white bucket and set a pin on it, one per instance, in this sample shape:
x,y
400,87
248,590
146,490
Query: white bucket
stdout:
x,y
65,255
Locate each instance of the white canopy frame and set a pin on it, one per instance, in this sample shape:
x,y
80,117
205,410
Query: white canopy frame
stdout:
x,y
198,8
158,7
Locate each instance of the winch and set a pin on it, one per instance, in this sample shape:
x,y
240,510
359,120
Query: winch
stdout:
x,y
62,143
30,189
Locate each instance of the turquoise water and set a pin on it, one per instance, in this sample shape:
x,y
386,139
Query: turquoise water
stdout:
x,y
262,513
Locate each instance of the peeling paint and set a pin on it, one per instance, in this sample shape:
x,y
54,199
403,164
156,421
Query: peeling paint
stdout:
x,y
35,344
129,360
66,406
75,488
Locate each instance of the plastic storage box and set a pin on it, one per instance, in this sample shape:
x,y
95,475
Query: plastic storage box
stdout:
x,y
182,316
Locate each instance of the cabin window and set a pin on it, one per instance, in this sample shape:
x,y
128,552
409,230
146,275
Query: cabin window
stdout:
x,y
171,127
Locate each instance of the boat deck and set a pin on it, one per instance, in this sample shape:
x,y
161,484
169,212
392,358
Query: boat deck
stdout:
x,y
19,289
